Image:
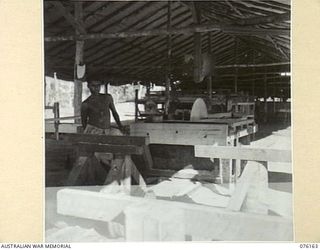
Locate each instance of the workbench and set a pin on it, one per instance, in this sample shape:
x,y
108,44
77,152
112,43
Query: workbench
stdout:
x,y
181,136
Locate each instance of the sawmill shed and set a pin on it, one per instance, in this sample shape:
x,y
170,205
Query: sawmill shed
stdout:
x,y
215,141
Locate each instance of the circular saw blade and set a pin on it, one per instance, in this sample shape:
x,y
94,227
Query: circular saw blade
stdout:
x,y
199,110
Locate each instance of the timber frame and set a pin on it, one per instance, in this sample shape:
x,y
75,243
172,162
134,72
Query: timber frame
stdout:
x,y
146,41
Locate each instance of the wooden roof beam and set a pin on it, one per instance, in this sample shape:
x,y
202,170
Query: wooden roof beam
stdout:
x,y
233,8
150,43
252,65
116,53
262,48
70,18
275,44
265,19
174,31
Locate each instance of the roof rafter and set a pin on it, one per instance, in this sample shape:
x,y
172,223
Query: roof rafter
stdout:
x,y
174,31
70,18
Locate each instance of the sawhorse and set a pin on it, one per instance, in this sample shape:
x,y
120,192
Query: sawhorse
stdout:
x,y
117,149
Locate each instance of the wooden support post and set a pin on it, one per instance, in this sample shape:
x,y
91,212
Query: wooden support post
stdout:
x,y
136,105
236,69
106,85
265,98
56,113
209,85
122,169
236,81
253,72
78,60
237,162
148,86
197,44
209,79
274,100
197,57
169,45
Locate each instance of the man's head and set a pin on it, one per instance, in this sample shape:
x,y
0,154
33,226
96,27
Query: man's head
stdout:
x,y
94,87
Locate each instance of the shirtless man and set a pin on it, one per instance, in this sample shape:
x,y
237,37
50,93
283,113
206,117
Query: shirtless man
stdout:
x,y
95,113
95,118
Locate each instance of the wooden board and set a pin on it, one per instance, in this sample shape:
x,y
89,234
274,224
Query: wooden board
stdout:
x,y
182,133
103,139
243,153
233,122
89,148
198,221
90,205
220,115
251,189
63,128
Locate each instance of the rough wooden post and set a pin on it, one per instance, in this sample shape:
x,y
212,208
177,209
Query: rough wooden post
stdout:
x,y
236,69
197,56
56,112
253,71
197,44
265,98
169,45
106,85
136,105
209,79
209,87
78,60
148,88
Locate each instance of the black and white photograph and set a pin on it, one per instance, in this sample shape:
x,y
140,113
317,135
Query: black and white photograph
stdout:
x,y
168,121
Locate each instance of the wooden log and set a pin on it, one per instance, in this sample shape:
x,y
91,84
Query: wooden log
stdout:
x,y
243,153
173,31
198,221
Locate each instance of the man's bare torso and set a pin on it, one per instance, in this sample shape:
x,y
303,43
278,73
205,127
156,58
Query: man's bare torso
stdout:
x,y
97,109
